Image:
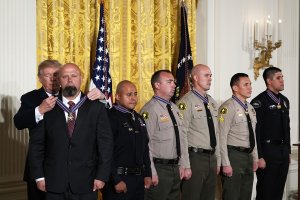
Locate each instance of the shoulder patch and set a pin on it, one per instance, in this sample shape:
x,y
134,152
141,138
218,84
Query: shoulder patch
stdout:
x,y
182,106
145,115
223,111
256,103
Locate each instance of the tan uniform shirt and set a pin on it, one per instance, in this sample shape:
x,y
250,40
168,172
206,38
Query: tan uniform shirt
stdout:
x,y
233,128
195,126
162,140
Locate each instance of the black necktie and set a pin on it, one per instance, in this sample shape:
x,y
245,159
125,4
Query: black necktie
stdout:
x,y
175,129
251,133
211,127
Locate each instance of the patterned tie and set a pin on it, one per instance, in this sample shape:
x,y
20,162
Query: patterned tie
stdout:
x,y
211,127
175,129
71,119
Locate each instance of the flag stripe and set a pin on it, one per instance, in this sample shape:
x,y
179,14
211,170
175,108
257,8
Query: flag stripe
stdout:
x,y
100,72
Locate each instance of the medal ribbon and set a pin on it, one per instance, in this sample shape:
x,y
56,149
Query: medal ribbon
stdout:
x,y
241,103
277,100
204,99
124,110
65,108
162,100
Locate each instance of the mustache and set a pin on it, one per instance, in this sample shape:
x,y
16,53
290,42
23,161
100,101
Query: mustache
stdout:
x,y
69,91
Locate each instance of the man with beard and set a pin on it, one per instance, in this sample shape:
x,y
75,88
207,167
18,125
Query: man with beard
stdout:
x,y
33,106
131,172
70,150
166,143
273,137
237,140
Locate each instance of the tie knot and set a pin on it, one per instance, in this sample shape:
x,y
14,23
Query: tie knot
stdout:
x,y
71,104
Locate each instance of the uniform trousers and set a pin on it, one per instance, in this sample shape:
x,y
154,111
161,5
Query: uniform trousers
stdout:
x,y
135,189
271,180
168,187
202,184
239,185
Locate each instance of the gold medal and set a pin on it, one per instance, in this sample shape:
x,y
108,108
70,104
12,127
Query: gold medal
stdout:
x,y
278,106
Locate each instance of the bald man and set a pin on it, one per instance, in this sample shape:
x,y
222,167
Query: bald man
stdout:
x,y
131,172
33,106
200,113
70,150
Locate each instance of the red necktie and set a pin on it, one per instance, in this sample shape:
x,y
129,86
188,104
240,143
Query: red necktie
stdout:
x,y
71,119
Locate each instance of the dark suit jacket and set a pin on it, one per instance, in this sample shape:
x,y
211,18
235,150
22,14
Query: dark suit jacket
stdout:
x,y
74,161
25,117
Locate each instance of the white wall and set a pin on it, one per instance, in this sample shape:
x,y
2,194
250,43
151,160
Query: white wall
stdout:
x,y
17,75
224,42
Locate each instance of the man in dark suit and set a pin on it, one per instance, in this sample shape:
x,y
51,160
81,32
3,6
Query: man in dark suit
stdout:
x,y
33,106
70,150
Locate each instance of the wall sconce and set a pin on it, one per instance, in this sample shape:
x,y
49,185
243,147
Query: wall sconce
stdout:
x,y
265,47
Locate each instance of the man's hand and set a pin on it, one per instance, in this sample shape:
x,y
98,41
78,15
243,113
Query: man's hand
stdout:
x,y
121,187
47,104
181,173
155,180
261,163
95,94
227,171
41,185
98,185
187,173
255,166
147,182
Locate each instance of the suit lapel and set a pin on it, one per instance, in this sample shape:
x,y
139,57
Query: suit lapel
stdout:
x,y
81,116
42,94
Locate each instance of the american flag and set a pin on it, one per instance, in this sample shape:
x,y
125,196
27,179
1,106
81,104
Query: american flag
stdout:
x,y
185,61
100,72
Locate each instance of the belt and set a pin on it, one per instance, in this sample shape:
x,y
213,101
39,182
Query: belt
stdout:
x,y
129,170
165,161
199,150
274,142
241,149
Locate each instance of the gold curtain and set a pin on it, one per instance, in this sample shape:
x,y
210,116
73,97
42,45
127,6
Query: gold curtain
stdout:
x,y
143,36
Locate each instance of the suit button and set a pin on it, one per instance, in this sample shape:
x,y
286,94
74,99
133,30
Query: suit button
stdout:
x,y
70,163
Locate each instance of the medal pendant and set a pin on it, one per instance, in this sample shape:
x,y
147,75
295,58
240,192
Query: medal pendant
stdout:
x,y
278,106
208,106
246,112
70,116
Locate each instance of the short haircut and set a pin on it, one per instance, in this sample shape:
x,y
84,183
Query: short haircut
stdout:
x,y
121,84
47,63
269,73
235,79
156,76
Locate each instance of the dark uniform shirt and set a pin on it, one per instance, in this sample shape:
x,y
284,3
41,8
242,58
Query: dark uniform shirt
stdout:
x,y
273,122
130,141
